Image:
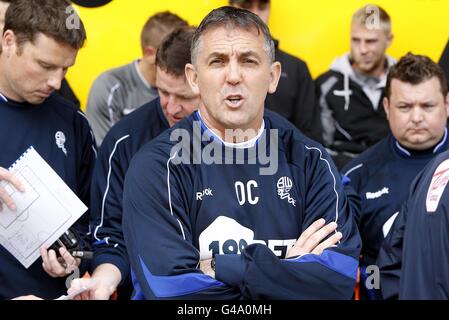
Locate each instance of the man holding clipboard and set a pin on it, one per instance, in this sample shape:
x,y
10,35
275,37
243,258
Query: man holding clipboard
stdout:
x,y
40,42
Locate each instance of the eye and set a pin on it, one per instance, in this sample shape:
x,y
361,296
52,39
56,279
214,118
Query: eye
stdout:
x,y
403,107
216,61
162,92
46,66
187,98
250,61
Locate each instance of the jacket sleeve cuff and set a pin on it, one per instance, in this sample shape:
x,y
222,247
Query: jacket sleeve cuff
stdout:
x,y
230,269
116,260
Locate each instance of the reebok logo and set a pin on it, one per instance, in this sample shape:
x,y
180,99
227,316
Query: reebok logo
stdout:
x,y
205,193
377,194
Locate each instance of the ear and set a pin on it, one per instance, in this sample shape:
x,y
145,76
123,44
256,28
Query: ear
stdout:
x,y
149,54
9,42
192,78
390,37
386,103
275,74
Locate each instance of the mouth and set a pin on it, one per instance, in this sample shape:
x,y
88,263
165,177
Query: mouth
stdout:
x,y
417,131
44,94
366,61
234,100
175,119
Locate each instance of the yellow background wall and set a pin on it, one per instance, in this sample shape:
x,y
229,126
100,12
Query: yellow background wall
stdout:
x,y
317,31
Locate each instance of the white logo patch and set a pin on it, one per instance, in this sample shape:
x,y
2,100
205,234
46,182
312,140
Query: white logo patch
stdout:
x,y
206,192
377,194
227,236
60,141
284,186
437,186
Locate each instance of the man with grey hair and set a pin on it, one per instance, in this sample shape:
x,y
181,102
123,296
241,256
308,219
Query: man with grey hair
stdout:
x,y
226,228
350,93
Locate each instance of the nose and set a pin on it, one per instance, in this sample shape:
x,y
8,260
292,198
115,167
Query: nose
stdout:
x,y
416,115
173,105
54,81
234,75
363,47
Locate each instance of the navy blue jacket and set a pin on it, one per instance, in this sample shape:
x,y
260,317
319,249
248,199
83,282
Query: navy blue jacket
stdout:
x,y
115,154
176,214
23,125
414,258
382,176
295,96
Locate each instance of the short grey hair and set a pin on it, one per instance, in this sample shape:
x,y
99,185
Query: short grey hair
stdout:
x,y
231,17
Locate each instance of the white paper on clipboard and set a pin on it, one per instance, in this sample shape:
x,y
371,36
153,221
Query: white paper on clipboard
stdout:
x,y
46,209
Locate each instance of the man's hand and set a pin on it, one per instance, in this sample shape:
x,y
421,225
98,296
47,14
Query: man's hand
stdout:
x,y
96,289
4,197
311,240
100,286
58,267
207,268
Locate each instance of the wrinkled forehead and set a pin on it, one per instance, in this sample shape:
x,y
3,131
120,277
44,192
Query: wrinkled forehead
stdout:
x,y
231,36
231,29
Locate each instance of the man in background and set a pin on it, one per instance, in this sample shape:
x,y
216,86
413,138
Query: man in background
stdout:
x,y
350,93
119,91
417,110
